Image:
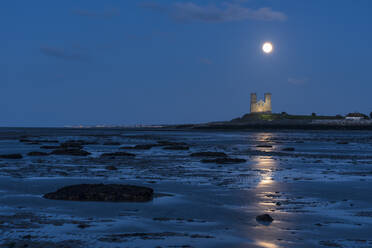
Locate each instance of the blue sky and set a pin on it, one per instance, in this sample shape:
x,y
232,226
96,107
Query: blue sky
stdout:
x,y
147,62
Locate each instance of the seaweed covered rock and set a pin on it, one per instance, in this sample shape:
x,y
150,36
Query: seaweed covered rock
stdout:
x,y
49,147
111,143
171,143
139,147
102,192
264,218
177,148
111,167
37,154
288,149
264,146
225,160
208,154
11,156
117,154
71,152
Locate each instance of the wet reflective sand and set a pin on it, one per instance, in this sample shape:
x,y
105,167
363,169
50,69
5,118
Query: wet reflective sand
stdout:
x,y
317,192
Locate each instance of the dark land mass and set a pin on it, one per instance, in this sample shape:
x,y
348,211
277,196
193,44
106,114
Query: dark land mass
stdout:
x,y
268,121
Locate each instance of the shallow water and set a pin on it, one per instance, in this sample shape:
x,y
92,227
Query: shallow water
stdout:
x,y
317,194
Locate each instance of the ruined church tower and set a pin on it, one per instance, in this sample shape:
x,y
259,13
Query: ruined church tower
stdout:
x,y
261,106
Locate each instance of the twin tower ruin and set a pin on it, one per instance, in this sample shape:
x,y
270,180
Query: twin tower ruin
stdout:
x,y
261,106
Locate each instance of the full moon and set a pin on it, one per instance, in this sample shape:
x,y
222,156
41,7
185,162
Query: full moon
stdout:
x,y
267,47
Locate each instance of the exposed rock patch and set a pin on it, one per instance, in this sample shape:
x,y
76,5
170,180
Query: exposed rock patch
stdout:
x,y
264,218
208,154
177,148
111,143
117,154
70,151
49,147
139,147
264,146
102,192
171,143
225,160
11,156
147,236
37,154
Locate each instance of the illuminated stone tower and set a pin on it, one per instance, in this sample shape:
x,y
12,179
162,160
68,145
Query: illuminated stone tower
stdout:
x,y
261,106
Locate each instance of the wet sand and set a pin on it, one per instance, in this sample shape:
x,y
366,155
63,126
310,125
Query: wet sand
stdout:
x,y
317,193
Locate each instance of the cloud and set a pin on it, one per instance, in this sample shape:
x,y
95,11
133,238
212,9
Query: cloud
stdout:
x,y
61,53
109,13
298,81
227,12
206,61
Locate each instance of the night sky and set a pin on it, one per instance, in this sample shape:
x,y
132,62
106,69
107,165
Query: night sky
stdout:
x,y
127,62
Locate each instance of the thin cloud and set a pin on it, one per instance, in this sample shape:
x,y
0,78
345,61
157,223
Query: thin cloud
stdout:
x,y
61,53
298,81
227,12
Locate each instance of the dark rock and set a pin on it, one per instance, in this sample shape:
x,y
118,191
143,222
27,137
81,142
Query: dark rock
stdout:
x,y
71,144
170,143
70,151
224,160
264,146
49,147
103,192
83,225
177,148
208,154
288,149
37,154
118,154
139,147
329,243
111,143
111,167
46,141
264,218
11,156
77,143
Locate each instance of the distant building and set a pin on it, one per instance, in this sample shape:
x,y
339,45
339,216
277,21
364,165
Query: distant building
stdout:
x,y
261,106
355,116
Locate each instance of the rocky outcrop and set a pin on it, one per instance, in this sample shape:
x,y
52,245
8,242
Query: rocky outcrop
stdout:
x,y
288,149
117,154
208,154
37,154
264,146
111,143
111,167
49,147
177,148
102,192
264,218
225,160
70,151
11,156
171,143
139,147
